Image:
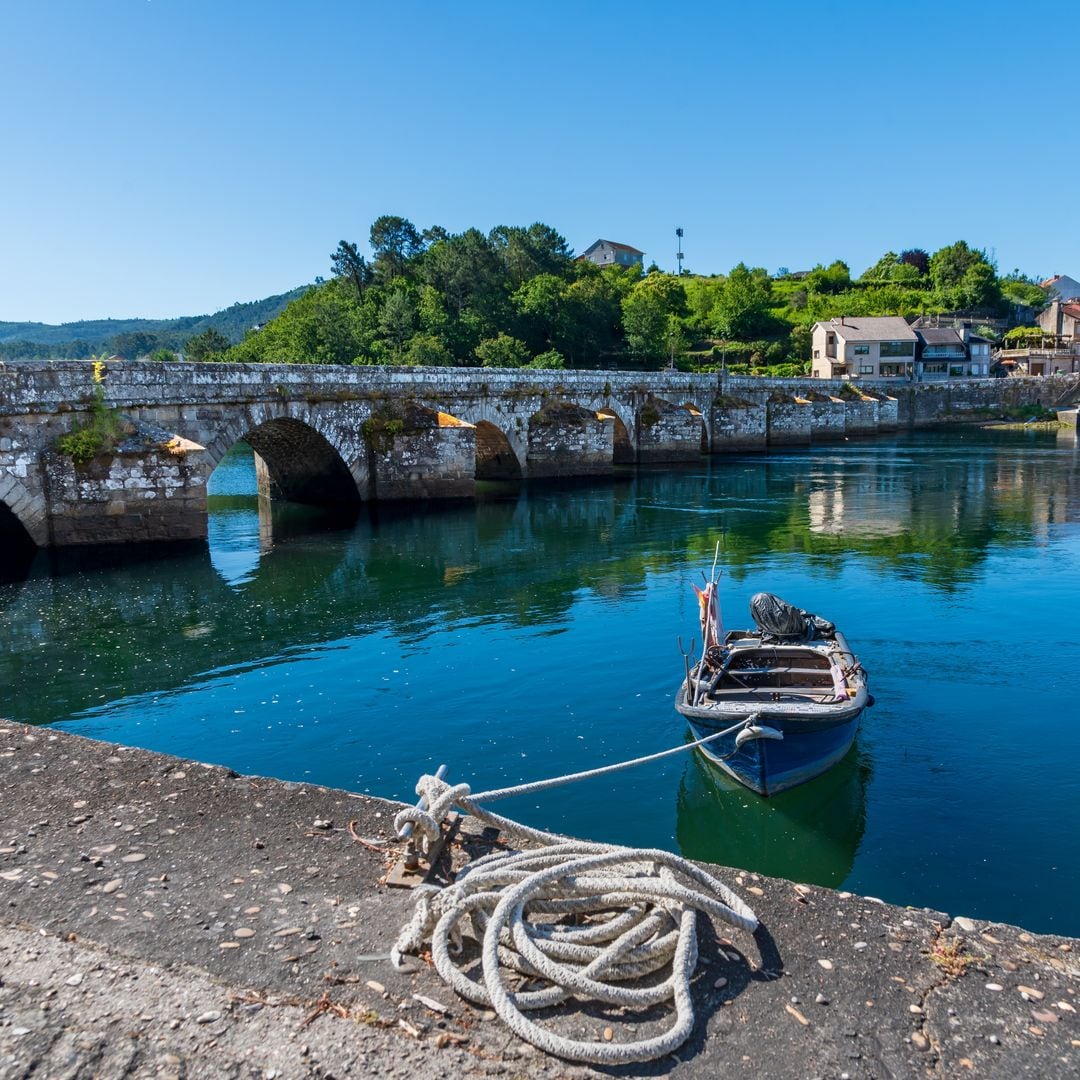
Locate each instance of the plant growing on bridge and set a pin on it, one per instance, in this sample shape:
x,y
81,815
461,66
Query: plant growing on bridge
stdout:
x,y
100,433
649,415
379,430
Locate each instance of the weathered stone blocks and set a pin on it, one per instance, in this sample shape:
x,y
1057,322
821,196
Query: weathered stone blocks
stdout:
x,y
569,440
861,415
737,425
669,433
789,421
106,501
827,417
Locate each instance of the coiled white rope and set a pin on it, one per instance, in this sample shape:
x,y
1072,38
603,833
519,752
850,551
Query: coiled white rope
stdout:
x,y
635,914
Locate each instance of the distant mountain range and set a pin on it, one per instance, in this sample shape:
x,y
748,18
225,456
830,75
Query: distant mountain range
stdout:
x,y
33,340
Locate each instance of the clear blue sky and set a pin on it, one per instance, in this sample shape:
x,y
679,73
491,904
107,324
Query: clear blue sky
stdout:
x,y
170,157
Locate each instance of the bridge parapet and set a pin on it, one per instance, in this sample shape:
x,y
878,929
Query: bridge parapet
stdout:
x,y
310,427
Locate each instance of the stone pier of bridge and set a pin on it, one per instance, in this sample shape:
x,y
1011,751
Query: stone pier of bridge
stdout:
x,y
340,436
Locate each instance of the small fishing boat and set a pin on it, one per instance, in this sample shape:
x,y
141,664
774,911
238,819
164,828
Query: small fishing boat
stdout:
x,y
787,695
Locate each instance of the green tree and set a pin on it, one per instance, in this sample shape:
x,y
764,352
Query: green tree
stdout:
x,y
466,271
526,253
883,268
163,356
979,287
834,278
327,325
949,264
647,313
741,308
502,351
541,300
591,328
1018,288
552,359
135,343
800,342
701,294
211,344
347,262
397,321
395,241
426,350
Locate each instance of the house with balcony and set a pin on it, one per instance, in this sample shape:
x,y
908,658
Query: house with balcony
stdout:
x,y
609,253
854,347
946,353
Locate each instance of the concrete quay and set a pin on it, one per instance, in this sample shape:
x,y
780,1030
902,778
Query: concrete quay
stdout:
x,y
165,918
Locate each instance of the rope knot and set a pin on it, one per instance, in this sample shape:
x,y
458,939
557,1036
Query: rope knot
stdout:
x,y
439,797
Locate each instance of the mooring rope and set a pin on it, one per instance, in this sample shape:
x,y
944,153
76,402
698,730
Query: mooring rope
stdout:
x,y
634,914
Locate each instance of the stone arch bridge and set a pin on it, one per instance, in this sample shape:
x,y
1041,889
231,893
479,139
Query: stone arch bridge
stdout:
x,y
335,436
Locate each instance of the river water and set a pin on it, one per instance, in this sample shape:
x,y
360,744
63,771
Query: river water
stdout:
x,y
536,633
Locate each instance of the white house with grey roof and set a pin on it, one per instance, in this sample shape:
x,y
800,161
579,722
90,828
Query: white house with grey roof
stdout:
x,y
610,253
854,347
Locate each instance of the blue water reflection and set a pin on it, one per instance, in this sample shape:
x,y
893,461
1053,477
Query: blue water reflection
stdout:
x,y
535,633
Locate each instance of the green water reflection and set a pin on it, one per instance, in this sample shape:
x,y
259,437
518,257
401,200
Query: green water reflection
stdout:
x,y
535,633
810,833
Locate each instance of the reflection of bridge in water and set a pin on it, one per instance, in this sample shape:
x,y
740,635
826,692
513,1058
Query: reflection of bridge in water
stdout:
x,y
523,559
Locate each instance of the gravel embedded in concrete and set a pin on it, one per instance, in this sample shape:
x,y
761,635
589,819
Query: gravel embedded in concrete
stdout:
x,y
250,940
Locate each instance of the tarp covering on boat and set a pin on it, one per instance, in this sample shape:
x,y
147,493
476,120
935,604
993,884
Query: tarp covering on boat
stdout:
x,y
779,619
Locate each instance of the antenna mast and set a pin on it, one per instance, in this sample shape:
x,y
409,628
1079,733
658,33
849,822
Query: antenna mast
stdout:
x,y
679,234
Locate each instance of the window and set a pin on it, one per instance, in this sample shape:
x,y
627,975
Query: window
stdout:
x,y
898,348
895,370
933,369
817,354
956,369
862,350
866,369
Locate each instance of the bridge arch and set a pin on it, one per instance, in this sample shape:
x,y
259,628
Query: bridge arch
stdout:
x,y
25,513
22,528
623,452
295,460
495,456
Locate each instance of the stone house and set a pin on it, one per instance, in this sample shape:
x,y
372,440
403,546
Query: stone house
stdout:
x,y
1061,319
610,253
1059,350
857,347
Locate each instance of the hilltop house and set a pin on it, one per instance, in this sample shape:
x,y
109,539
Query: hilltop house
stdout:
x,y
609,253
1061,287
855,347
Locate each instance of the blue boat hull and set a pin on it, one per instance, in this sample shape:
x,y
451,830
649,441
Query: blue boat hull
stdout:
x,y
809,747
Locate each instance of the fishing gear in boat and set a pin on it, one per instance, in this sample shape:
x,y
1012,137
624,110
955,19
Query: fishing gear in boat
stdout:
x,y
794,670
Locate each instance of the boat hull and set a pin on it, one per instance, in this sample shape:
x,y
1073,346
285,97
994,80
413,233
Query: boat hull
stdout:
x,y
792,705
768,766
